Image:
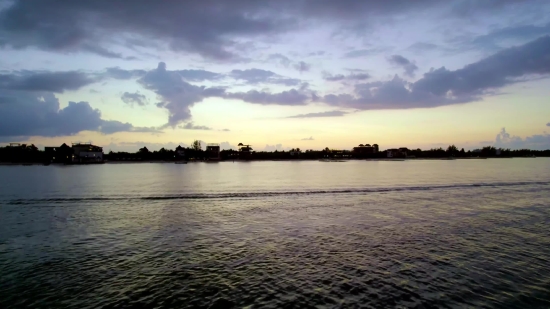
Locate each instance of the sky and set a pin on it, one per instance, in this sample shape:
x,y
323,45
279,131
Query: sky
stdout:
x,y
276,74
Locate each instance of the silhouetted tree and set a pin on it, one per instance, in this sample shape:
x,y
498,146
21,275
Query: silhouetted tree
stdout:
x,y
197,145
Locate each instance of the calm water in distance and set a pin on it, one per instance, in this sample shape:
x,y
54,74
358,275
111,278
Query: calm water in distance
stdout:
x,y
357,234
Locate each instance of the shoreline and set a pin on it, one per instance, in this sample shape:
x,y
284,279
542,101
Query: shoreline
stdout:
x,y
253,160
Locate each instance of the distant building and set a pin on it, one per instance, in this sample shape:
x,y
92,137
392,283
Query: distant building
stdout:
x,y
245,151
397,152
61,154
180,153
87,153
213,151
365,149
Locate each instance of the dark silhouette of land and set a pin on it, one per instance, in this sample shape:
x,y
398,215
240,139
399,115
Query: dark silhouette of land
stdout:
x,y
30,154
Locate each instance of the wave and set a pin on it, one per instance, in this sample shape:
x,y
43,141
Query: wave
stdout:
x,y
193,196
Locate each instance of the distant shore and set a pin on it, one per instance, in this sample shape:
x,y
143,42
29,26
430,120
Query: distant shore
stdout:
x,y
260,160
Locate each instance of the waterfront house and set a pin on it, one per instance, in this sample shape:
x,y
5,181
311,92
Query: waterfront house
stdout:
x,y
365,149
397,153
180,153
61,154
87,153
245,151
213,151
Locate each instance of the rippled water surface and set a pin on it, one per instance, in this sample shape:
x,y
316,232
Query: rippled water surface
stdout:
x,y
412,234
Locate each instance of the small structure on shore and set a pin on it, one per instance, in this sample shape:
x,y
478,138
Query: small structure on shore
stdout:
x,y
87,153
245,151
213,151
365,149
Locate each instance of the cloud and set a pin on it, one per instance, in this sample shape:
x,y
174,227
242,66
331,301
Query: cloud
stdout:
x,y
134,98
225,130
443,87
548,124
255,76
280,59
199,75
278,147
321,114
45,81
308,138
209,29
214,29
101,51
359,53
113,126
349,77
317,53
118,73
135,146
191,126
227,146
288,97
405,63
422,47
39,114
175,95
302,66
535,142
494,40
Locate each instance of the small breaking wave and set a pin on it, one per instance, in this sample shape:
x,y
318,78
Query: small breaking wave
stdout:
x,y
195,196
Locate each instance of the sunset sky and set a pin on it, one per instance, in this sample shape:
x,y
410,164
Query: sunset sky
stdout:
x,y
276,74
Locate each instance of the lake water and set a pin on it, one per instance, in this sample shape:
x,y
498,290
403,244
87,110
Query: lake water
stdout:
x,y
357,234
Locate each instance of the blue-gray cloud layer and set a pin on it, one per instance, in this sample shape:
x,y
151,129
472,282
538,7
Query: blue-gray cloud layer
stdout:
x,y
443,87
320,115
45,81
212,28
408,66
134,98
39,114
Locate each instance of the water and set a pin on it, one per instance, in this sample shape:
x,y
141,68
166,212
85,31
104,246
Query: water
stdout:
x,y
414,234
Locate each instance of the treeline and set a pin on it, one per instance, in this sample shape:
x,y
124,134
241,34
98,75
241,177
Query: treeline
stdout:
x,y
485,152
31,154
22,154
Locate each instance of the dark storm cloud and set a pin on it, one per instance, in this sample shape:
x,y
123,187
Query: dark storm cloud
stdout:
x,y
342,77
255,76
191,126
45,81
214,29
134,98
39,114
442,86
405,63
320,115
